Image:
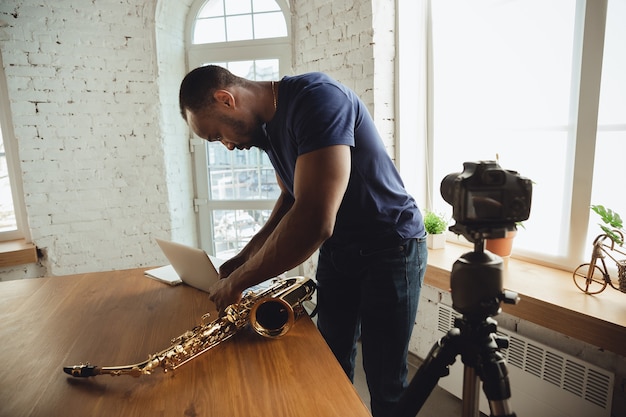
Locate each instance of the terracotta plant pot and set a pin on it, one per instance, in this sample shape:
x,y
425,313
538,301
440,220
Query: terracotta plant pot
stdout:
x,y
501,247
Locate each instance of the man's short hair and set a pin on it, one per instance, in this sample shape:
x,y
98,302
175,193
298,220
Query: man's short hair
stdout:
x,y
197,88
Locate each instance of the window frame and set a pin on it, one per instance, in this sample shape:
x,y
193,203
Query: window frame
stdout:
x,y
197,54
13,166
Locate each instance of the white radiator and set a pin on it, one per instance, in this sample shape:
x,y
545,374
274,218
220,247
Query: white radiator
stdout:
x,y
544,382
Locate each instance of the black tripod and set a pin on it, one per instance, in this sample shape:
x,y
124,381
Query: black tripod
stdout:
x,y
476,285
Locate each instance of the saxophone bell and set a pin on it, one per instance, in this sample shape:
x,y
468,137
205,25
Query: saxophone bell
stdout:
x,y
272,317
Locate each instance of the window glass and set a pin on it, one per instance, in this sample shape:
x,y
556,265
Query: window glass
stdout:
x,y
502,91
243,174
238,6
265,6
210,30
269,25
7,210
239,28
238,20
235,228
236,190
240,175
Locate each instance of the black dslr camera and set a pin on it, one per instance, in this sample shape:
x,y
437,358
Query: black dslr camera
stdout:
x,y
487,201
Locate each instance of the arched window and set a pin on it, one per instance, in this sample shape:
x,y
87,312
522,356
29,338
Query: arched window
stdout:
x,y
236,190
228,21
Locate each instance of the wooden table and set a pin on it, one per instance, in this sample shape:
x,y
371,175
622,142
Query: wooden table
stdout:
x,y
118,318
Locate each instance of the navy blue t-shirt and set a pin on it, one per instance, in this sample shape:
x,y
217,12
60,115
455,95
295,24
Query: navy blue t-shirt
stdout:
x,y
315,111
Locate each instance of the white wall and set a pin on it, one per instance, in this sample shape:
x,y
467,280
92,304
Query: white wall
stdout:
x,y
343,39
102,147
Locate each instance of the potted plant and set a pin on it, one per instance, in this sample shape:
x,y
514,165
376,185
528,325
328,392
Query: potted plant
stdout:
x,y
613,225
502,246
435,225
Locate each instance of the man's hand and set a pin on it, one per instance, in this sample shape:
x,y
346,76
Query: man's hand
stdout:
x,y
223,294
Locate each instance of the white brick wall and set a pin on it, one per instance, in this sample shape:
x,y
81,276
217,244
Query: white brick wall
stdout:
x,y
102,147
336,37
343,39
383,44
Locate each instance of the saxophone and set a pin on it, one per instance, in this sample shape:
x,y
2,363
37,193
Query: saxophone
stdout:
x,y
270,313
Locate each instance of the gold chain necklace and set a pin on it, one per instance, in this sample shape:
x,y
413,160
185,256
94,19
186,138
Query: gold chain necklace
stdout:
x,y
274,94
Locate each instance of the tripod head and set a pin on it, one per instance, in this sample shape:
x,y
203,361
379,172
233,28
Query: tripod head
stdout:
x,y
476,279
487,201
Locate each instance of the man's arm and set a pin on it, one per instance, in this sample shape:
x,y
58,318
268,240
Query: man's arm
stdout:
x,y
320,182
282,206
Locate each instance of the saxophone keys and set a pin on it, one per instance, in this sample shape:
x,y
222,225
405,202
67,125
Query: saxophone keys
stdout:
x,y
205,318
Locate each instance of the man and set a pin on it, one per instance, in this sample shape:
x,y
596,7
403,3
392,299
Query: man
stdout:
x,y
339,190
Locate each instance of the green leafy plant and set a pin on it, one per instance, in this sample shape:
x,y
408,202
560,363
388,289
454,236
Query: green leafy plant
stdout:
x,y
434,223
612,221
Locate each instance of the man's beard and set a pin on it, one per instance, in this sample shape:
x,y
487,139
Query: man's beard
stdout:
x,y
256,135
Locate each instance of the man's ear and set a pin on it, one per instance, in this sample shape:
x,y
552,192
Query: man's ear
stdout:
x,y
224,97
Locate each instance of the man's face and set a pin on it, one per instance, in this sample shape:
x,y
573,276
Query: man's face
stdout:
x,y
232,129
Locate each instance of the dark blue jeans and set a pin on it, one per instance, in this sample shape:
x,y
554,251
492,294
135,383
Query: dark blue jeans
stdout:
x,y
372,292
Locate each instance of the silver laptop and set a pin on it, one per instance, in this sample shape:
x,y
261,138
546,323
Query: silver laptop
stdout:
x,y
193,266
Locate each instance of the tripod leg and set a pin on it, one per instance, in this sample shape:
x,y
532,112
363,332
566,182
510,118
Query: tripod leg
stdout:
x,y
495,377
435,366
470,392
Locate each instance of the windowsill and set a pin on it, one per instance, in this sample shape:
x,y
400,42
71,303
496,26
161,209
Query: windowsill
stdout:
x,y
17,252
548,298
